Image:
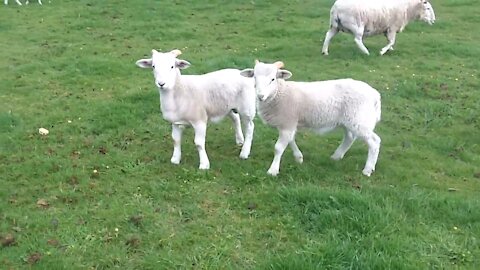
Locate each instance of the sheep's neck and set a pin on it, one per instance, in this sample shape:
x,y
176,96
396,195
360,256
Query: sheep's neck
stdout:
x,y
413,12
169,102
269,107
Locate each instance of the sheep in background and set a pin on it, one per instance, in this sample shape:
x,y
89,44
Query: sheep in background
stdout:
x,y
196,99
322,106
374,17
20,3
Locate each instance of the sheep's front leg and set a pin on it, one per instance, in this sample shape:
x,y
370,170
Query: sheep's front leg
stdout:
x,y
237,126
177,143
358,33
391,41
284,138
18,2
249,127
200,134
330,34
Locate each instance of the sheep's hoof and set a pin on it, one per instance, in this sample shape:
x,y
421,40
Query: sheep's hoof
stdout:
x,y
336,156
244,156
272,172
325,53
175,161
367,171
299,159
204,166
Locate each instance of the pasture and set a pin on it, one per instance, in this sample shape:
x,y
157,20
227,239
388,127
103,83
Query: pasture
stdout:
x,y
99,192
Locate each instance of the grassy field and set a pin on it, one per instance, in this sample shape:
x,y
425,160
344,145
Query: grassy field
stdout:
x,y
99,191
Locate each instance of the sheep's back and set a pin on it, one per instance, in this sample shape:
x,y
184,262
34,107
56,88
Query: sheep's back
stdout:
x,y
220,91
330,103
377,16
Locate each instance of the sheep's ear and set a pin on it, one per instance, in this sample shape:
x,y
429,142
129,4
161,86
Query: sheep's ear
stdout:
x,y
247,72
182,64
176,52
279,64
283,74
144,63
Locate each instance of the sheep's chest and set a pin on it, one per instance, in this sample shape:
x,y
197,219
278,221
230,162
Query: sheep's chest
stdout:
x,y
179,109
168,107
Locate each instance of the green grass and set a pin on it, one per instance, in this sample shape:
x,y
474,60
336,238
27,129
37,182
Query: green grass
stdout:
x,y
69,66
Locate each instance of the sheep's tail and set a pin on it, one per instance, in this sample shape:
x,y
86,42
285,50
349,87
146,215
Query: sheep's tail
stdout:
x,y
334,18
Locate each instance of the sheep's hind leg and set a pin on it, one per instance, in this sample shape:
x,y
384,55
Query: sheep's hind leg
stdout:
x,y
177,143
330,34
237,126
373,141
348,139
200,134
284,138
247,145
18,2
391,41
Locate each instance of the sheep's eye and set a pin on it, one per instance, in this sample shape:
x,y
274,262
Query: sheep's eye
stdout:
x,y
153,66
273,79
172,67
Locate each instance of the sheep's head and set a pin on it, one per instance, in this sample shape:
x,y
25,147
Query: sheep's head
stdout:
x,y
266,76
427,14
165,67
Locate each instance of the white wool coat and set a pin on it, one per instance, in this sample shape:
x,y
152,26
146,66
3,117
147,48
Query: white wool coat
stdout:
x,y
209,96
378,16
322,105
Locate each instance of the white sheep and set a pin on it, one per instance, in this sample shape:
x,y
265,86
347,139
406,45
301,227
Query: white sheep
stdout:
x,y
20,3
321,106
193,100
374,17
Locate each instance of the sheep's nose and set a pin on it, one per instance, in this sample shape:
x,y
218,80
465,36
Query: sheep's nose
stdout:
x,y
260,96
161,85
